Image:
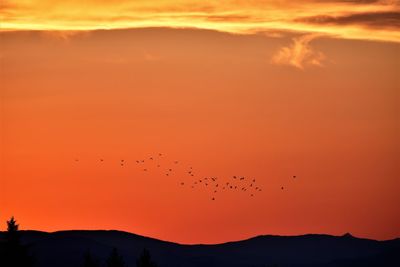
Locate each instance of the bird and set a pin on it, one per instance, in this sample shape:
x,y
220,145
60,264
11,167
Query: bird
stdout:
x,y
213,198
282,188
294,176
151,158
182,183
145,170
101,159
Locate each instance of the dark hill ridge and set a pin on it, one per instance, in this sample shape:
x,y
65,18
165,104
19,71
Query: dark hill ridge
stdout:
x,y
66,249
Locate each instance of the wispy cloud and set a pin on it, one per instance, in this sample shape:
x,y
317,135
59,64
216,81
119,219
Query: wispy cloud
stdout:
x,y
299,54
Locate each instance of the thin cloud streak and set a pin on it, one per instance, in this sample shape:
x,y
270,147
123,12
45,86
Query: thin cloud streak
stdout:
x,y
374,19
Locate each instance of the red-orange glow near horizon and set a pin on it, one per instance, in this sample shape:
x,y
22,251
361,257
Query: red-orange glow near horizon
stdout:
x,y
267,90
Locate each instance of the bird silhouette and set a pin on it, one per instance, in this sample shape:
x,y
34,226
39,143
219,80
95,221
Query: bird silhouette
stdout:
x,y
216,183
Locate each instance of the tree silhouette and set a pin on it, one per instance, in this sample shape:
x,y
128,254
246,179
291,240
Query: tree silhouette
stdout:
x,y
115,260
14,253
145,260
89,261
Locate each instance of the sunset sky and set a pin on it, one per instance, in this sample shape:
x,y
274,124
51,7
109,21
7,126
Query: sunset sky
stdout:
x,y
265,89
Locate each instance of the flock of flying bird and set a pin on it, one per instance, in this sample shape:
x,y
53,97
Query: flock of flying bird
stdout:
x,y
213,184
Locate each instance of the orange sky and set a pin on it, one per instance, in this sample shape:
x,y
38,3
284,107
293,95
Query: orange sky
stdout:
x,y
262,89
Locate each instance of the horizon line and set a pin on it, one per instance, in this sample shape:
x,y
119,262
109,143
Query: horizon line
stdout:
x,y
347,234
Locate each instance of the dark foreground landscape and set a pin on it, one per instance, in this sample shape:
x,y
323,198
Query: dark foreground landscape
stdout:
x,y
67,249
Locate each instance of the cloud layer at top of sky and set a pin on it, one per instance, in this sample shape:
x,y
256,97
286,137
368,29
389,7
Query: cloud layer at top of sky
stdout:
x,y
350,19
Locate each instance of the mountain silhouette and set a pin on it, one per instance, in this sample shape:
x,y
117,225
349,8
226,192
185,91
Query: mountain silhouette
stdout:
x,y
66,249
